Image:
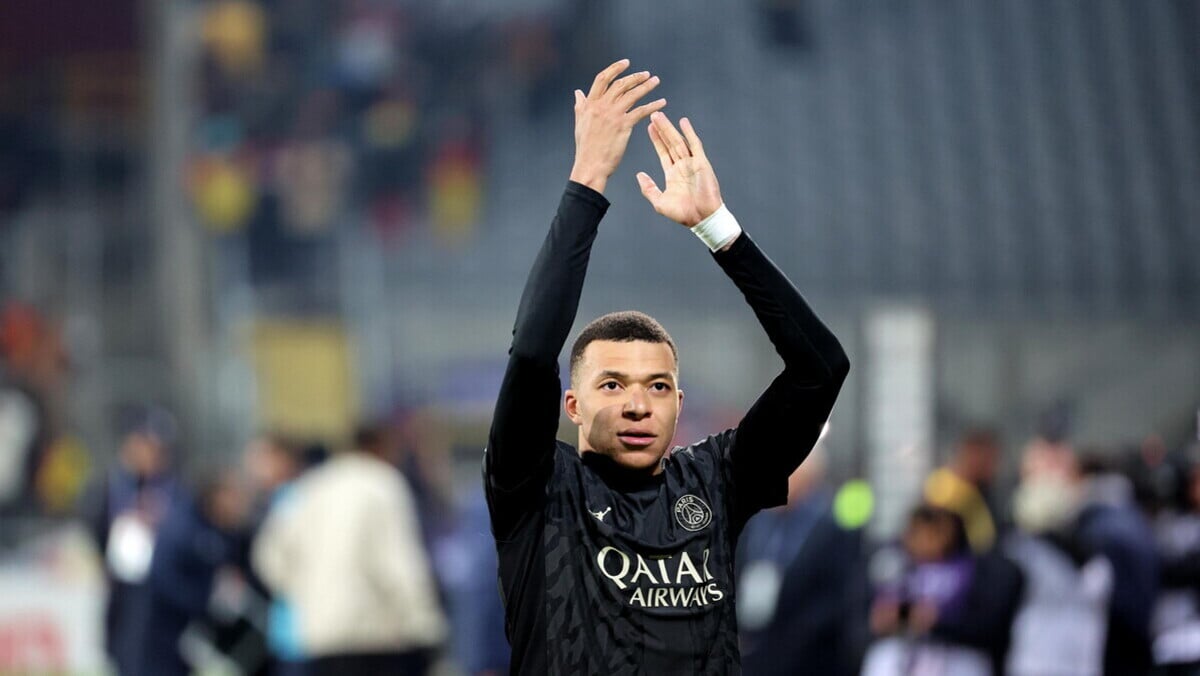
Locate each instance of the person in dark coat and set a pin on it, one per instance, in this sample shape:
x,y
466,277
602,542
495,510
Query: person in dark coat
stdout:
x,y
990,607
800,588
198,538
994,595
123,511
1110,525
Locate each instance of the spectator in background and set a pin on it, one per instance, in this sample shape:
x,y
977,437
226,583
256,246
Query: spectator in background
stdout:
x,y
469,575
995,592
798,594
1176,622
964,487
348,556
274,462
1048,458
929,587
967,482
123,511
33,366
1159,478
1061,623
198,538
1110,525
423,456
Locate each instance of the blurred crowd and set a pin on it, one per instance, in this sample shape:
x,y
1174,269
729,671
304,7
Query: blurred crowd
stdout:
x,y
1086,565
295,560
290,557
300,559
316,114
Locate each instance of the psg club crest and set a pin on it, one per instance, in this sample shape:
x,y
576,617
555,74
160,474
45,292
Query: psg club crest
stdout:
x,y
692,513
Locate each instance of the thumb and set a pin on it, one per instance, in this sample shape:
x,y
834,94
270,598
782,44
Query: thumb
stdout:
x,y
649,189
579,97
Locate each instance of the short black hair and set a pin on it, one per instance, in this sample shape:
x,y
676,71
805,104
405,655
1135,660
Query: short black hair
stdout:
x,y
622,327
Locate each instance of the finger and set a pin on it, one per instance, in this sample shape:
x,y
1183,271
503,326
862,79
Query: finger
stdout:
x,y
626,83
649,189
638,114
579,98
693,141
670,136
636,92
664,156
605,77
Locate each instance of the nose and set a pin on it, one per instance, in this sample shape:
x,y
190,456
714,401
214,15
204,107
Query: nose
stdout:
x,y
637,406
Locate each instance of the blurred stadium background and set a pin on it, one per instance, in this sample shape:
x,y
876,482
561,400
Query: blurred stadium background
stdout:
x,y
293,215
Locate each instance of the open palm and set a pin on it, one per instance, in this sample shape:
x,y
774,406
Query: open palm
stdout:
x,y
691,191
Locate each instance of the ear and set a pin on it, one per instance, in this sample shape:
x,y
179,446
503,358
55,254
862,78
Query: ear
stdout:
x,y
680,401
571,406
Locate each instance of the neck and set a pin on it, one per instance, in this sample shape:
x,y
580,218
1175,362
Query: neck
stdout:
x,y
617,475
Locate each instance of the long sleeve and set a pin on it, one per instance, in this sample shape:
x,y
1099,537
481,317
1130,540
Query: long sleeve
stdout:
x,y
396,562
782,426
186,557
521,442
271,553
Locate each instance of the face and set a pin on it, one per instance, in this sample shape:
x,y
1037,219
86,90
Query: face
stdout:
x,y
625,399
981,462
143,455
926,541
229,503
268,465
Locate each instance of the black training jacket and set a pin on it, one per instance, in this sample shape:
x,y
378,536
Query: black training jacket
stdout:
x,y
606,573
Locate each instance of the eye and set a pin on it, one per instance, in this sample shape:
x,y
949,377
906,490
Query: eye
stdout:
x,y
661,387
609,385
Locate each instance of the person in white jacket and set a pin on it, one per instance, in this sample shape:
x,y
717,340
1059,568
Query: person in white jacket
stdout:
x,y
346,552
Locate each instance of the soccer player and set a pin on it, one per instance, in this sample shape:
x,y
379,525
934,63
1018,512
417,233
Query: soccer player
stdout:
x,y
616,557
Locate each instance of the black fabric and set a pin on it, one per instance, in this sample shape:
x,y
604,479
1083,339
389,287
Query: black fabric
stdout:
x,y
1122,535
604,572
413,663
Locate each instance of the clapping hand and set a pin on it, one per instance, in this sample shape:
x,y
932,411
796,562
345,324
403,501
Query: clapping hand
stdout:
x,y
692,193
604,120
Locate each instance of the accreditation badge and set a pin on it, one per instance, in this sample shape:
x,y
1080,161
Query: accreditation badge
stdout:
x,y
130,548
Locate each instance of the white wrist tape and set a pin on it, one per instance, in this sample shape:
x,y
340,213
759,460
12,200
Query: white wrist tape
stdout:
x,y
718,229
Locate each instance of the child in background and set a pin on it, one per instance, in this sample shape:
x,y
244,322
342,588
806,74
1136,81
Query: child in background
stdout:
x,y
923,584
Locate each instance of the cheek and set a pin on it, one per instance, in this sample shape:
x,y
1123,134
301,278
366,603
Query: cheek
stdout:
x,y
603,418
589,410
668,411
600,429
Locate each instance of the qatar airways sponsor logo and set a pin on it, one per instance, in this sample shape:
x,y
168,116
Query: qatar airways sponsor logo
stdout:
x,y
676,581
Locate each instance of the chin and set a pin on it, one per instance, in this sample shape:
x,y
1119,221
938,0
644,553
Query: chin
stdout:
x,y
640,459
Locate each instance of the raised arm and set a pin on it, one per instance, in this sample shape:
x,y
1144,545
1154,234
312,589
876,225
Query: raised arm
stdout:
x,y
783,425
521,441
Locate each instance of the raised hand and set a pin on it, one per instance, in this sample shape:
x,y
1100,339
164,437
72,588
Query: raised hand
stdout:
x,y
692,193
604,120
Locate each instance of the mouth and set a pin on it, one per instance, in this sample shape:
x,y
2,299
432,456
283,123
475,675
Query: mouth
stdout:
x,y
636,439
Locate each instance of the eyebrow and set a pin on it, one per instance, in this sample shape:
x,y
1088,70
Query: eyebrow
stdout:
x,y
663,375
